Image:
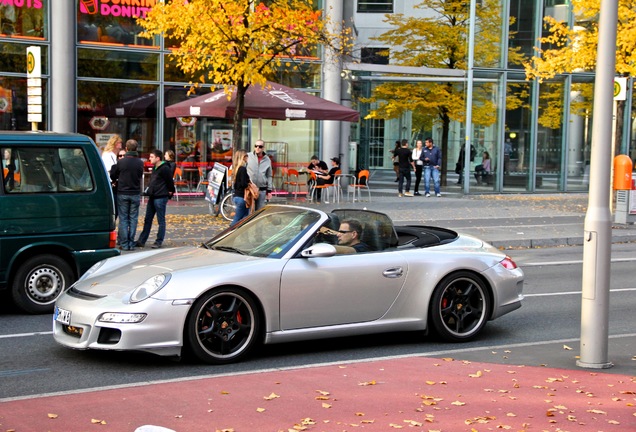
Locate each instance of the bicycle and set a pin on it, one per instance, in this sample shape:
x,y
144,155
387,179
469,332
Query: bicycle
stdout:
x,y
224,204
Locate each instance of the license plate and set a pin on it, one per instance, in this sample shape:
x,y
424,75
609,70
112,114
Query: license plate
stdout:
x,y
62,316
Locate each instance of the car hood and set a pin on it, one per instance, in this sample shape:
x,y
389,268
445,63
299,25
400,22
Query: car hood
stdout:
x,y
127,272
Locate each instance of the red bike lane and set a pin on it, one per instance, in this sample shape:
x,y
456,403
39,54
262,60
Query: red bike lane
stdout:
x,y
415,393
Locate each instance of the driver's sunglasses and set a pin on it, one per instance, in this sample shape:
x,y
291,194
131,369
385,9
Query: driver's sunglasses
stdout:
x,y
344,232
121,155
259,146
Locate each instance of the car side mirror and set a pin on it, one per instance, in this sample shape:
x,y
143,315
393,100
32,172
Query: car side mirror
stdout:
x,y
319,250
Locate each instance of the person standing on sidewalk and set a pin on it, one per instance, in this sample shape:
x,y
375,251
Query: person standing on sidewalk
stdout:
x,y
432,158
259,169
417,152
405,165
159,191
127,174
240,182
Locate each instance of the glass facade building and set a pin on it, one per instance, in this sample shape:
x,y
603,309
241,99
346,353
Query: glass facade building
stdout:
x,y
124,82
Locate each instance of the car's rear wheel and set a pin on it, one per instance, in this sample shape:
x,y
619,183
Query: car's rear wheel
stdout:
x,y
223,326
460,307
39,281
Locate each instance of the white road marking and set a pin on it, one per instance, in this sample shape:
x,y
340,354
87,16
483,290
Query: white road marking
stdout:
x,y
307,366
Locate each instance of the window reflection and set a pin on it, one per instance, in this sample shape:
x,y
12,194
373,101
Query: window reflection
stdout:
x,y
22,19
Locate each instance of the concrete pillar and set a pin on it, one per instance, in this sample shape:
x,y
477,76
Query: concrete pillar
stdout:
x,y
333,144
63,55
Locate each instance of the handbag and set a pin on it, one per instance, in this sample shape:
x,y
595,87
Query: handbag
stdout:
x,y
251,195
458,168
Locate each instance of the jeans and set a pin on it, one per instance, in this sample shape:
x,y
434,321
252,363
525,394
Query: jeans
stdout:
x,y
155,206
404,173
128,207
261,201
241,210
418,177
428,172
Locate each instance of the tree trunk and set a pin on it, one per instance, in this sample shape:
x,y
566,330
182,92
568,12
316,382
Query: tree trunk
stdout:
x,y
237,127
620,120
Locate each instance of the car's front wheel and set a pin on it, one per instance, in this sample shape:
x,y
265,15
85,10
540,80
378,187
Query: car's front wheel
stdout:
x,y
39,281
460,307
223,326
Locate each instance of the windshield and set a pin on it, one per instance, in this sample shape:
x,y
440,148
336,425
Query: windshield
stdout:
x,y
270,234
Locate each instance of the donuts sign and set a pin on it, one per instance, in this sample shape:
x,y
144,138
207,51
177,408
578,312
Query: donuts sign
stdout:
x,y
117,8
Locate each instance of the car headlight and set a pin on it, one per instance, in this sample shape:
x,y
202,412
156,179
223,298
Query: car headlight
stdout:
x,y
149,287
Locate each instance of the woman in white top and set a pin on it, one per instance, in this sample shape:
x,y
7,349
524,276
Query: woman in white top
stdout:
x,y
109,155
417,151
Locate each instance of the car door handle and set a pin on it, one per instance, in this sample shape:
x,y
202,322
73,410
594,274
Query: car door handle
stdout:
x,y
393,273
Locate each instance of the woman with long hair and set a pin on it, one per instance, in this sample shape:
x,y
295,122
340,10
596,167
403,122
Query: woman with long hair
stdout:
x,y
109,155
240,180
482,171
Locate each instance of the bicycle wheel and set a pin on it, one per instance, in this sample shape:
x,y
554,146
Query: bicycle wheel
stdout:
x,y
228,209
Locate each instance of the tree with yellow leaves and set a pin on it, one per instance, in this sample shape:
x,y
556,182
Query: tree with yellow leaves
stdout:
x,y
573,49
241,42
441,41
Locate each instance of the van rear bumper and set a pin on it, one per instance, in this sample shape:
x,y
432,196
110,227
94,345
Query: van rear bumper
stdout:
x,y
85,259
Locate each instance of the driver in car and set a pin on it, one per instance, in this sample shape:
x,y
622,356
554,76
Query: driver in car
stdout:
x,y
349,235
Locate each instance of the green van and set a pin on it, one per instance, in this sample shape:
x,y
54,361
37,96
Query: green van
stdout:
x,y
57,215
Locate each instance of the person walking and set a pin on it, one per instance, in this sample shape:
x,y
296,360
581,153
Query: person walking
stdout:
x,y
259,170
159,191
432,158
241,181
405,165
417,152
127,174
396,164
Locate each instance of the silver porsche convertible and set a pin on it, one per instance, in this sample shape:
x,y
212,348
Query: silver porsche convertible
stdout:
x,y
280,275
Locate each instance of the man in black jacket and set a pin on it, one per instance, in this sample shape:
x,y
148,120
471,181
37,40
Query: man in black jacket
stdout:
x,y
127,174
160,190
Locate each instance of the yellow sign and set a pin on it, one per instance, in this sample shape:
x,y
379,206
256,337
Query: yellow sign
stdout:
x,y
620,88
34,63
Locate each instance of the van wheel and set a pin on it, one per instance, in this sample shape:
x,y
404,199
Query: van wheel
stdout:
x,y
39,282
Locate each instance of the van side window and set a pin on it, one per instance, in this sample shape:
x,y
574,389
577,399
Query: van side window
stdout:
x,y
42,170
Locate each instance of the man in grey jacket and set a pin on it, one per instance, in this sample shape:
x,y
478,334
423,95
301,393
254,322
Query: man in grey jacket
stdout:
x,y
259,168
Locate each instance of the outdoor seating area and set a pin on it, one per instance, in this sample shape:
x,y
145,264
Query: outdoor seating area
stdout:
x,y
191,182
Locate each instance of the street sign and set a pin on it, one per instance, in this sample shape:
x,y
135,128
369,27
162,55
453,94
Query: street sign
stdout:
x,y
620,88
34,86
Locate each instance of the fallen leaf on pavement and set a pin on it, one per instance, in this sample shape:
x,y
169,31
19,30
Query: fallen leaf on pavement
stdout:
x,y
53,416
271,396
565,347
595,411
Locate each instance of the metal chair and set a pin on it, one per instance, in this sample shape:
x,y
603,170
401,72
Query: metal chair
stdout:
x,y
203,181
362,182
179,182
315,186
294,181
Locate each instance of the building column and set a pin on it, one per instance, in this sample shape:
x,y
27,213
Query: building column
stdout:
x,y
332,144
63,55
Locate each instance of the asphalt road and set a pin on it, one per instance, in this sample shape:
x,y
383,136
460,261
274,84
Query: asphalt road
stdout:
x,y
31,363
